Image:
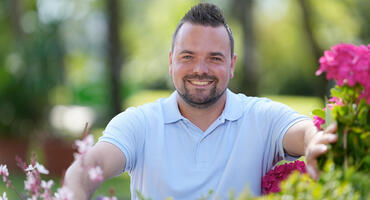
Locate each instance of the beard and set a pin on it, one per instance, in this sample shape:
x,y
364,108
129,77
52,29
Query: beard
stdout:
x,y
199,97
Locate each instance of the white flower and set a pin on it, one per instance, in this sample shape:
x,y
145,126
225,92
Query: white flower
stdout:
x,y
29,168
96,174
40,168
4,170
4,196
109,198
64,193
47,185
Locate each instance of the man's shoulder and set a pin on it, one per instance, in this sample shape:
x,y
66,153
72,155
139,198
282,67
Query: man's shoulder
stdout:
x,y
249,101
252,104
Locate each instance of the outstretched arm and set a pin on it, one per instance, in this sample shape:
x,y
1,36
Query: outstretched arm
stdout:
x,y
105,155
303,138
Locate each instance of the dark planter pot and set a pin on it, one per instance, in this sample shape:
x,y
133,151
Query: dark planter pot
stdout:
x,y
10,148
58,155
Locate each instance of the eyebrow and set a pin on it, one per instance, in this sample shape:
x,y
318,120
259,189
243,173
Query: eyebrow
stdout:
x,y
217,54
211,54
187,52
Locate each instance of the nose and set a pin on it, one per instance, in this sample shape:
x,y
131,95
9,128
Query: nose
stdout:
x,y
200,68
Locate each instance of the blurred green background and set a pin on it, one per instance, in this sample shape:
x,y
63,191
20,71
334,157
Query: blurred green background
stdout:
x,y
64,63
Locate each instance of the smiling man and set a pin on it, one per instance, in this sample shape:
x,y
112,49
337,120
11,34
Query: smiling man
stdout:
x,y
203,137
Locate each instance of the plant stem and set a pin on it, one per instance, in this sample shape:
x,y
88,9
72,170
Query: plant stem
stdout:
x,y
345,135
16,192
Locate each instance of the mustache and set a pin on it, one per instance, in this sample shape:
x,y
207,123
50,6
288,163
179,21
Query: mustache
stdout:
x,y
200,77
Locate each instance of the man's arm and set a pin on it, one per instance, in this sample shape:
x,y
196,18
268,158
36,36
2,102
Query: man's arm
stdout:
x,y
111,160
303,138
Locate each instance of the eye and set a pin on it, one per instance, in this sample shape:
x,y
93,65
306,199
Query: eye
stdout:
x,y
187,57
216,59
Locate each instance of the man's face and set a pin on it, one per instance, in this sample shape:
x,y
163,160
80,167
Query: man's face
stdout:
x,y
200,64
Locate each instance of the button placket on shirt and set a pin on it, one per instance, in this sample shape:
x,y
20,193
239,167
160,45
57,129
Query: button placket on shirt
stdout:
x,y
202,156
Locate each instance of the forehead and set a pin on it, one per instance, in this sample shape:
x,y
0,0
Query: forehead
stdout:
x,y
200,38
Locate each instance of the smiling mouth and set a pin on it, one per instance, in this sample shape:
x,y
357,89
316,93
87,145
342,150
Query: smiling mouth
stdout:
x,y
200,83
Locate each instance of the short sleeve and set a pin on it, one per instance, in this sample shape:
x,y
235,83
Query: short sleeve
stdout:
x,y
127,132
280,118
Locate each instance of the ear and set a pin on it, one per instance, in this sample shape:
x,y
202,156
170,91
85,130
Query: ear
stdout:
x,y
233,62
170,63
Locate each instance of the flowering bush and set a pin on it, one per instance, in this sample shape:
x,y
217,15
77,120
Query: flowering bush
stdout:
x,y
349,66
37,188
271,181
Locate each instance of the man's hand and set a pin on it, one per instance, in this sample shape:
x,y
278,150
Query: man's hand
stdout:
x,y
105,155
318,146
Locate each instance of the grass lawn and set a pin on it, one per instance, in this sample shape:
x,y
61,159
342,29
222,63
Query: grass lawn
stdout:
x,y
121,184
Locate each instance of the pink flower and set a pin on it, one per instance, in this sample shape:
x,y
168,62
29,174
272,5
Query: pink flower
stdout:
x,y
47,185
83,146
318,121
64,193
348,64
5,173
270,182
4,170
32,183
96,174
337,101
47,189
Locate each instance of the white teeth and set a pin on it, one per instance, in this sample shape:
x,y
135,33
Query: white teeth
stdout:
x,y
200,82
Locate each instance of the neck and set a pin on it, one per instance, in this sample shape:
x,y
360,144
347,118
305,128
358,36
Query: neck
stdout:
x,y
202,117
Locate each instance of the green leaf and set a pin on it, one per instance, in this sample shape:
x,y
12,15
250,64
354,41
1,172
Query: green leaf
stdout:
x,y
328,117
319,113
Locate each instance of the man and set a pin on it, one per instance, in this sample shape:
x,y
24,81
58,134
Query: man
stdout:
x,y
203,137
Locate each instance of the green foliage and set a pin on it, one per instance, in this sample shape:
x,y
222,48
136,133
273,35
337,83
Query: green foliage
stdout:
x,y
352,147
333,184
32,69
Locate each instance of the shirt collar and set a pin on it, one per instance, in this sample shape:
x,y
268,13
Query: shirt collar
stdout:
x,y
170,109
232,111
234,106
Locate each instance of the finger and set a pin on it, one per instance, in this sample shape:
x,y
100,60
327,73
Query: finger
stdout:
x,y
314,152
313,171
332,128
327,138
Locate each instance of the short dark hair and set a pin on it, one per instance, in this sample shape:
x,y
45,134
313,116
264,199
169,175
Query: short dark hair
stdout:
x,y
208,15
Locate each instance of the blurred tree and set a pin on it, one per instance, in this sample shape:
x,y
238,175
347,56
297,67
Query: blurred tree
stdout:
x,y
15,15
32,66
115,56
243,12
321,89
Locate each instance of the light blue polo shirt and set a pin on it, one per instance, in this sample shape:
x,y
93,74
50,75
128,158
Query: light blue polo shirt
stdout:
x,y
168,156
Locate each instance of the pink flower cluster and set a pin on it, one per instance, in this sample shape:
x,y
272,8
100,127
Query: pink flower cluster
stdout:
x,y
318,121
348,64
40,189
270,182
